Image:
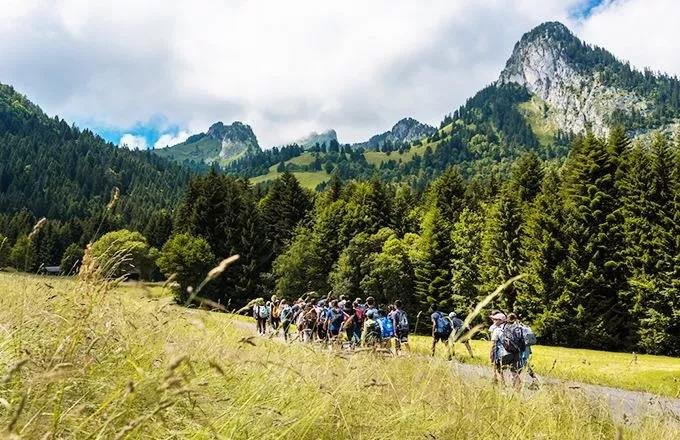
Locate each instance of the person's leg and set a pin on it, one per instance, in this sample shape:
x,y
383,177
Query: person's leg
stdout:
x,y
286,327
434,344
469,348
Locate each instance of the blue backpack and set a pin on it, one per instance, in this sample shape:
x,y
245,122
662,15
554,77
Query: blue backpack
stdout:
x,y
387,327
443,325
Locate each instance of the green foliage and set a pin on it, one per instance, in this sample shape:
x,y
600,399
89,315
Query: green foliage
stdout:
x,y
24,255
124,253
72,259
188,258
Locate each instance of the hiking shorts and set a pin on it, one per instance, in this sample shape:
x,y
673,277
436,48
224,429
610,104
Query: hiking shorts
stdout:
x,y
513,361
402,337
334,332
444,337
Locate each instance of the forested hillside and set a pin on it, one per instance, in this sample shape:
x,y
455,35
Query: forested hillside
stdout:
x,y
50,169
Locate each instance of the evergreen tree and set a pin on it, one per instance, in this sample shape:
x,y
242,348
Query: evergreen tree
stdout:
x,y
466,261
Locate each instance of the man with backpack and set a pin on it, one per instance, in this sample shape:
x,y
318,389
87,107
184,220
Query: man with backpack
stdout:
x,y
287,317
401,325
334,319
261,314
441,330
507,344
371,333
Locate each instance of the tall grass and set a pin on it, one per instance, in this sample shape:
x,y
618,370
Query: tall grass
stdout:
x,y
86,359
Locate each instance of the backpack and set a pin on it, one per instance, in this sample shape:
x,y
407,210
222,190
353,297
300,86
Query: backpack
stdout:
x,y
263,312
402,321
360,314
529,336
276,311
373,331
387,327
513,338
443,325
287,314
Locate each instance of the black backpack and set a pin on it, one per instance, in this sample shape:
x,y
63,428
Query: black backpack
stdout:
x,y
513,338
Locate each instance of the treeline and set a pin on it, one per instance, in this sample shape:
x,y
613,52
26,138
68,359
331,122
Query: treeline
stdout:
x,y
596,237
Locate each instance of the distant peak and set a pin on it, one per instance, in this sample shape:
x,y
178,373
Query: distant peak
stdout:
x,y
552,29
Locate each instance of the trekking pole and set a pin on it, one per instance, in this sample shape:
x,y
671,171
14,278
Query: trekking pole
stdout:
x,y
415,329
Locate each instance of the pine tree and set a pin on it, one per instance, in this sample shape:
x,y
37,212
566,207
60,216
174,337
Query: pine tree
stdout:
x,y
433,270
593,309
545,249
466,261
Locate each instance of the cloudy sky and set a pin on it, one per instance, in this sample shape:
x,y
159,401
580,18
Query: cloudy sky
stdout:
x,y
150,72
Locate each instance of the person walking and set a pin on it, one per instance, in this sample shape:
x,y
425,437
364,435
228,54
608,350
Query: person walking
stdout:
x,y
261,314
441,330
401,325
286,318
458,328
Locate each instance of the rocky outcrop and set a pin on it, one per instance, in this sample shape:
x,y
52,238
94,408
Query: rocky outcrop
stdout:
x,y
577,98
405,131
323,138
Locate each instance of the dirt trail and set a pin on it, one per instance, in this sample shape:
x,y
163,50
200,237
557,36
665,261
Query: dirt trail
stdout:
x,y
624,404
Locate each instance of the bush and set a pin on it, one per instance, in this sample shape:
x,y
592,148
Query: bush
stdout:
x,y
23,255
189,258
124,253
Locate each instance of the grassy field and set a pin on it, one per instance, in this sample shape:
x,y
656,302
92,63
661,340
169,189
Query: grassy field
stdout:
x,y
93,360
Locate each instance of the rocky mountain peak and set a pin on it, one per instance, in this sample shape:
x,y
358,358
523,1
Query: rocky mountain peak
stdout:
x,y
564,72
323,138
237,131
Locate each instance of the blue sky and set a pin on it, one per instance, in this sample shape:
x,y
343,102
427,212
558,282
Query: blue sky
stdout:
x,y
154,72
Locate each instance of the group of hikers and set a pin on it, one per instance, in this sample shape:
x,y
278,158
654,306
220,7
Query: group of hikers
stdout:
x,y
359,323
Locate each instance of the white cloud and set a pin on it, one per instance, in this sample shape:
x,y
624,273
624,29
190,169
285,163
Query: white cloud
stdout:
x,y
287,68
168,139
133,142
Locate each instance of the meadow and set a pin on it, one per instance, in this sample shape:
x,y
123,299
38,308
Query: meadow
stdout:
x,y
93,359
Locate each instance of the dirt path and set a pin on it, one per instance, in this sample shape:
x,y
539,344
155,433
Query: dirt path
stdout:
x,y
624,404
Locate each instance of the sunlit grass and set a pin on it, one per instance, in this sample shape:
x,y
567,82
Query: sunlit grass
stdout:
x,y
94,361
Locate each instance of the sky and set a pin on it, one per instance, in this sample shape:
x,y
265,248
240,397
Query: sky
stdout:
x,y
150,73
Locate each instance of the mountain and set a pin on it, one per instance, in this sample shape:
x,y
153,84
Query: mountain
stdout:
x,y
407,130
587,87
323,138
221,144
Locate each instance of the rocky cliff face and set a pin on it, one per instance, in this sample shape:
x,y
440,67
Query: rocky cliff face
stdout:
x,y
221,144
234,139
543,62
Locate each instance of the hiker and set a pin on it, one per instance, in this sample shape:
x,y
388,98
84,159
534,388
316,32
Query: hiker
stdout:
x,y
507,344
261,315
351,324
401,326
371,333
307,323
370,305
458,328
334,320
359,317
529,340
286,318
274,313
441,330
